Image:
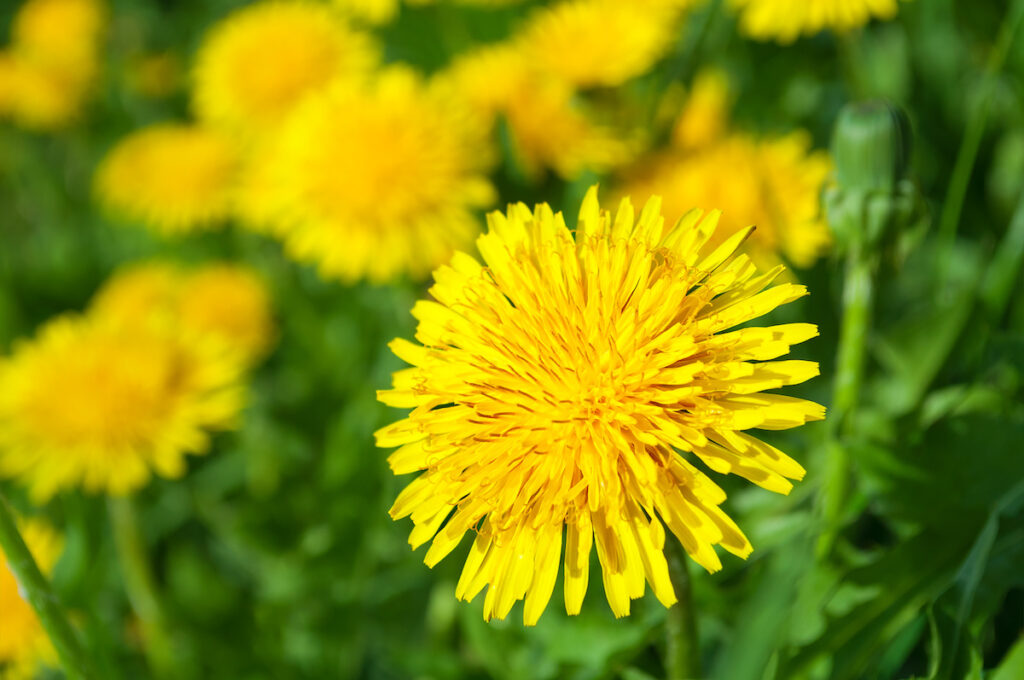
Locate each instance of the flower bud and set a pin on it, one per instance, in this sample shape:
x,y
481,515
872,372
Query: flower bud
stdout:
x,y
871,146
871,199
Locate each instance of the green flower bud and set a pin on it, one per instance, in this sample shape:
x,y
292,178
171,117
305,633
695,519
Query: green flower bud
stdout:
x,y
871,146
871,199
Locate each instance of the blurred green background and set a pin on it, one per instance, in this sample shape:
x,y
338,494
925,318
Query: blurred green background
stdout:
x,y
275,555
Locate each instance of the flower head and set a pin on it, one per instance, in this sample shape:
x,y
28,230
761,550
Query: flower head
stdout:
x,y
225,303
548,124
37,96
379,180
786,20
64,33
102,404
705,117
173,178
569,382
774,184
23,642
598,42
263,60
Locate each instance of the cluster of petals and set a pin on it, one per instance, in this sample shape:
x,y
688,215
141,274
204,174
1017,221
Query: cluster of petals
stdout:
x,y
564,389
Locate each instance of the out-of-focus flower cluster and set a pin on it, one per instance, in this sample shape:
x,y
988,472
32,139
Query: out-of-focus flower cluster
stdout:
x,y
374,170
104,399
52,61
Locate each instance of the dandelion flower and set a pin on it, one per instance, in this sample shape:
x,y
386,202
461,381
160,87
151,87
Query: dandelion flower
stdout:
x,y
225,303
598,42
548,124
261,61
380,180
786,20
64,33
23,642
102,404
569,382
36,97
774,184
173,178
705,116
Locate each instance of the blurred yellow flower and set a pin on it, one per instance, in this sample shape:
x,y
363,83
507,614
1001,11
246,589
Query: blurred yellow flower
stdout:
x,y
774,184
786,20
226,303
599,42
102,404
170,177
23,642
264,59
548,124
558,385
35,96
52,62
705,116
380,180
61,33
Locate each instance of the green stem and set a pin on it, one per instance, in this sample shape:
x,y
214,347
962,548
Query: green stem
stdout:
x,y
37,591
682,646
140,586
971,141
858,299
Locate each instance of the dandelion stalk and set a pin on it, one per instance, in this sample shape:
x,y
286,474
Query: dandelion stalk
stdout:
x,y
870,201
140,585
37,591
682,643
858,301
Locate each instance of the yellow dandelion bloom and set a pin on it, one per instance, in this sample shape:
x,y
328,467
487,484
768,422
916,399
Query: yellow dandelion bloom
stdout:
x,y
598,42
560,384
548,124
380,180
705,116
100,404
261,61
36,97
549,128
786,20
226,303
64,33
170,177
774,184
23,642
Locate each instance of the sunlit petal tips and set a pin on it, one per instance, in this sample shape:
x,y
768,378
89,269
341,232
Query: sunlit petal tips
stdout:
x,y
562,391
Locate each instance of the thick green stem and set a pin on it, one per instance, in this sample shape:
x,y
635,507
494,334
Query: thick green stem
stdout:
x,y
36,589
682,644
858,298
140,586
